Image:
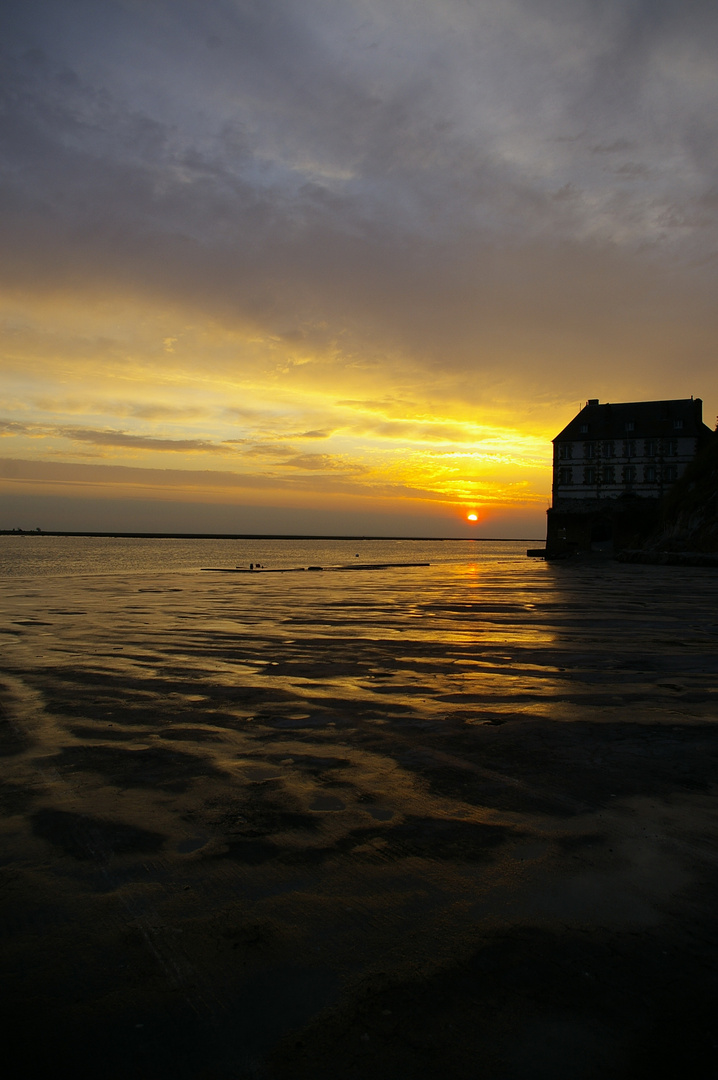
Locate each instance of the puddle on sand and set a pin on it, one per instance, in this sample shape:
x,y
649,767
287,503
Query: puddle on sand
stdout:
x,y
259,773
327,802
191,843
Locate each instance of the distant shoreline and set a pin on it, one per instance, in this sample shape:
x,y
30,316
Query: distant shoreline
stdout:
x,y
263,536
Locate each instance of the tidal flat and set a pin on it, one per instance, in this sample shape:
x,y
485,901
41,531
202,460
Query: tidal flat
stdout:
x,y
450,820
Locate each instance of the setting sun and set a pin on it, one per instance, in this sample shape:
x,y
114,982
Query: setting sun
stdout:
x,y
472,517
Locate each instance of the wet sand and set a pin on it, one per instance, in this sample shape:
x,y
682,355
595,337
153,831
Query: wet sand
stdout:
x,y
410,823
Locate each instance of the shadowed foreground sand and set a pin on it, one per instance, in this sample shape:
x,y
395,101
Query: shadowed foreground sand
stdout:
x,y
413,823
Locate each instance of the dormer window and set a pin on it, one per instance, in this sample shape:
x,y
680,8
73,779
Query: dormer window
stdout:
x,y
584,429
630,426
678,424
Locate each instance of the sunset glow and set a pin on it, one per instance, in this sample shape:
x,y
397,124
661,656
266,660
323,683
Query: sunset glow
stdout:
x,y
359,283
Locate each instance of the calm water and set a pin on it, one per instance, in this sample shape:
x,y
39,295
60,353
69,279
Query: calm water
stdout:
x,y
41,556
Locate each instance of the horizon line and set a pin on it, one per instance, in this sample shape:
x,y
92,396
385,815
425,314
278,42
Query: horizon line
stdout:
x,y
253,536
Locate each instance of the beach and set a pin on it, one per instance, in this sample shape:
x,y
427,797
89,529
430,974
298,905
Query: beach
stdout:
x,y
455,819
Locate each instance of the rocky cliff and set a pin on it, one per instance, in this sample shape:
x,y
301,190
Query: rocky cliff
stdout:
x,y
690,510
688,532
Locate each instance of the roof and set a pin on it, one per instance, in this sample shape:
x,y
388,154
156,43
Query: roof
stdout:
x,y
650,419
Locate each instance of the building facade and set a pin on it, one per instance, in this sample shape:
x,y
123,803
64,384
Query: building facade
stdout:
x,y
612,464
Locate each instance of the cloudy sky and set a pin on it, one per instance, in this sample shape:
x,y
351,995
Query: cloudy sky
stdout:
x,y
343,266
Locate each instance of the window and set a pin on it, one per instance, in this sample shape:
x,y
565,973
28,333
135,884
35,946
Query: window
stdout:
x,y
608,449
565,475
651,447
565,450
584,429
589,449
589,475
649,474
671,448
629,447
670,473
630,426
677,424
609,474
629,474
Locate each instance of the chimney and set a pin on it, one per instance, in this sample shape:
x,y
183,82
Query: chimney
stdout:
x,y
592,401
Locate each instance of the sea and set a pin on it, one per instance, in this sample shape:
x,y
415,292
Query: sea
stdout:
x,y
41,555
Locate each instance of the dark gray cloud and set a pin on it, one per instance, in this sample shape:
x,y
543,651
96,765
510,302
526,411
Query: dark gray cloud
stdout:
x,y
293,475
482,188
99,437
139,442
14,427
323,463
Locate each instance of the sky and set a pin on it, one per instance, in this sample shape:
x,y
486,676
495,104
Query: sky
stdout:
x,y
343,266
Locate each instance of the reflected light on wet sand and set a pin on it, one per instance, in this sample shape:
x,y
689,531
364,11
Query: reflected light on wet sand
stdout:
x,y
340,774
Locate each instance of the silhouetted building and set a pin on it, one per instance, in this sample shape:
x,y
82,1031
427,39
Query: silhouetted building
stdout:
x,y
612,465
